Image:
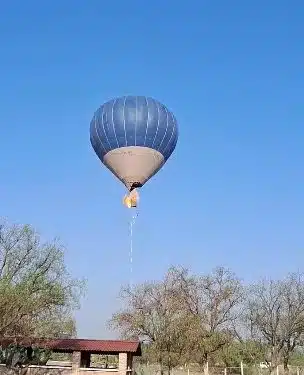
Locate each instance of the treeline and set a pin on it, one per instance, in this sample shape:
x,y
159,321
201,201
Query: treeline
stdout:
x,y
37,294
182,319
215,319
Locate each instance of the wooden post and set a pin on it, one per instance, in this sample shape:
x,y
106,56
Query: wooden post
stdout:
x,y
278,372
242,368
206,368
225,371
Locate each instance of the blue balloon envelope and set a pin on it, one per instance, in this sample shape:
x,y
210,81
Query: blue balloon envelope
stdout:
x,y
133,136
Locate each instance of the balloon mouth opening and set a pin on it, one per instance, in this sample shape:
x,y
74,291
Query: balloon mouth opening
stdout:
x,y
135,185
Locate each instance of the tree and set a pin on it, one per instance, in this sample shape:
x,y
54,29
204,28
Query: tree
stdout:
x,y
213,301
153,313
37,294
185,317
275,312
235,352
17,356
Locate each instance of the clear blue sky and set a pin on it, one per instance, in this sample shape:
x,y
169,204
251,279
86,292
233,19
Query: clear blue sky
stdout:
x,y
233,192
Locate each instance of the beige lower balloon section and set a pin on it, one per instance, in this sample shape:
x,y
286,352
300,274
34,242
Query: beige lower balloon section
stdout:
x,y
133,165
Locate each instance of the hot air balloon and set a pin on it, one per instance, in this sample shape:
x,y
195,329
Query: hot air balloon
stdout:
x,y
133,136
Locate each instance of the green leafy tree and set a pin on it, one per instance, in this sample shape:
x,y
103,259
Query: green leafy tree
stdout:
x,y
185,318
213,302
235,352
153,313
16,355
37,294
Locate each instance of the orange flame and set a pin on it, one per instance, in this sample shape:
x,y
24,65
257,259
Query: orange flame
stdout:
x,y
130,200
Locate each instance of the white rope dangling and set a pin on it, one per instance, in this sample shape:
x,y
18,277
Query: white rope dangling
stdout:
x,y
132,222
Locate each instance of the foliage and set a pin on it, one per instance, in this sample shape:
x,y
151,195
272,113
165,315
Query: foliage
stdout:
x,y
275,315
212,302
154,313
37,294
104,361
16,355
235,352
185,319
